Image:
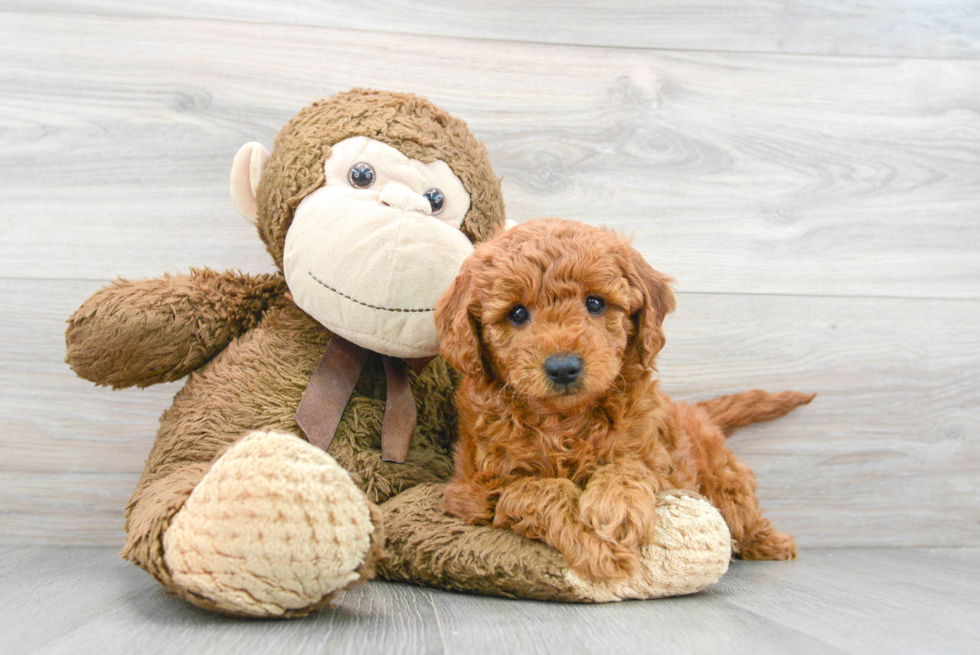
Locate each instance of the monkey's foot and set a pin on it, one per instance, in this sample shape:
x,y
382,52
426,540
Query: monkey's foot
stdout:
x,y
276,528
690,550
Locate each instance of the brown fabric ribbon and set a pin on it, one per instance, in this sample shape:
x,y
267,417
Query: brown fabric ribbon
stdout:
x,y
332,385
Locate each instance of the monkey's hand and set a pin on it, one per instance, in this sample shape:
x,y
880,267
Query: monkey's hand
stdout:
x,y
150,331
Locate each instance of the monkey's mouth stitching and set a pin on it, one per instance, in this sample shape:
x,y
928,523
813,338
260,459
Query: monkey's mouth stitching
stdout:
x,y
384,309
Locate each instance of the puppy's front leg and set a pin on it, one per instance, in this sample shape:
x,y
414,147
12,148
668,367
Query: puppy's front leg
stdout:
x,y
619,503
547,509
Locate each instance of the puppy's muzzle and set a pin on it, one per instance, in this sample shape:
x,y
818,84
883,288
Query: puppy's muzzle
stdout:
x,y
563,370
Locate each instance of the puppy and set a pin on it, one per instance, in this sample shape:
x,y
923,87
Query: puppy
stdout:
x,y
564,436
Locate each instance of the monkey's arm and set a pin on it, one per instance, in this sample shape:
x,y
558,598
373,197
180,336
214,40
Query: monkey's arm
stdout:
x,y
150,331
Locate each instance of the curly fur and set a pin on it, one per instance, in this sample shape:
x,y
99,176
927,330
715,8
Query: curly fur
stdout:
x,y
580,467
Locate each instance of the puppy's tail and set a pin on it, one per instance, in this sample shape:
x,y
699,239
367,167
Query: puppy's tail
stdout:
x,y
739,409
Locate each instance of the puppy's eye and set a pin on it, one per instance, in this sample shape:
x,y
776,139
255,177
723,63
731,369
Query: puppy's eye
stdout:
x,y
361,176
436,200
595,305
519,315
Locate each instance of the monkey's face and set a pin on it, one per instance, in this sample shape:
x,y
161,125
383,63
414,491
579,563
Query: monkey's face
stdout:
x,y
369,253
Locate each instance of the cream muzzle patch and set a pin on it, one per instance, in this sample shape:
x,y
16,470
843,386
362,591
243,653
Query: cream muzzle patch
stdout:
x,y
369,263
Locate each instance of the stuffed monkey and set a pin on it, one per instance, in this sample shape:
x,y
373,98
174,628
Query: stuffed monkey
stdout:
x,y
315,421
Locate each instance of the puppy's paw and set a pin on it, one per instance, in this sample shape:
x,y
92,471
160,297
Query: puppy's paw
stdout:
x,y
619,511
769,546
690,550
602,561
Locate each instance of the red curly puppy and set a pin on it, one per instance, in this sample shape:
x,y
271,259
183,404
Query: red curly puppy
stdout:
x,y
564,436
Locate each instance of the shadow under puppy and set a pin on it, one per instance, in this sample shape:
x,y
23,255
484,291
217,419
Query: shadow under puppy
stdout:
x,y
564,436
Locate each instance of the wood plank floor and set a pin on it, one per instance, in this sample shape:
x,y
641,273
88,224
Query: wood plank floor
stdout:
x,y
737,173
87,600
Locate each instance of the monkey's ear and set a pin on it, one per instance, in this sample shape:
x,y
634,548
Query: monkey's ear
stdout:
x,y
246,171
655,300
459,340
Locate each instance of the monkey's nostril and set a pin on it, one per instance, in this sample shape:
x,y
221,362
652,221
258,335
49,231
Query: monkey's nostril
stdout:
x,y
563,369
401,197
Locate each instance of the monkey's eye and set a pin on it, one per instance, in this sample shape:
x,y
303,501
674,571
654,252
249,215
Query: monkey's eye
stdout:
x,y
436,200
361,176
595,305
519,315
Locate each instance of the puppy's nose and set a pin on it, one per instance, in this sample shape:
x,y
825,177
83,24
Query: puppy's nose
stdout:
x,y
563,369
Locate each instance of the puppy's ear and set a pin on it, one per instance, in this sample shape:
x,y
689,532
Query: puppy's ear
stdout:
x,y
459,340
654,300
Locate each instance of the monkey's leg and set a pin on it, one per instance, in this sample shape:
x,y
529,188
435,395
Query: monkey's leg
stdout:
x,y
274,528
690,550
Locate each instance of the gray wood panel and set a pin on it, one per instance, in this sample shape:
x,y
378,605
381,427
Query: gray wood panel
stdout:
x,y
886,455
819,213
911,28
738,173
85,600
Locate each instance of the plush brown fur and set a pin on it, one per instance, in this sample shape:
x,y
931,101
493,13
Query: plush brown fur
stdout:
x,y
250,352
151,346
407,122
579,467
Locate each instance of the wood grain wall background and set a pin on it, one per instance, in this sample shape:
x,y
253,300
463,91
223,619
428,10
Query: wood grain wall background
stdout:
x,y
809,171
